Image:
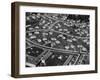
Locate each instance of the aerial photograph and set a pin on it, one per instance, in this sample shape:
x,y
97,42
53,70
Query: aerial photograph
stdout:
x,y
56,39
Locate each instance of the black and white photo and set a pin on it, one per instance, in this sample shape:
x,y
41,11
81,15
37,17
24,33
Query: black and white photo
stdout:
x,y
57,39
53,39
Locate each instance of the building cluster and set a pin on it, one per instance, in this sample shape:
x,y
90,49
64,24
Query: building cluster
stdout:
x,y
57,39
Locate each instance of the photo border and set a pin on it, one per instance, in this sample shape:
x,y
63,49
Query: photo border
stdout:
x,y
15,32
